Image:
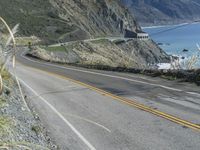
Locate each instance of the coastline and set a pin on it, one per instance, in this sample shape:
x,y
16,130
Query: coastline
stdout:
x,y
188,41
163,26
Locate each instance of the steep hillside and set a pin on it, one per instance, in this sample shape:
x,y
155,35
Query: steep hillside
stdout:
x,y
96,17
36,17
65,20
155,12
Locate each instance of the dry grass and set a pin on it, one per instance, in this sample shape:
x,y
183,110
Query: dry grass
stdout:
x,y
5,126
24,41
21,146
7,53
186,64
7,50
5,75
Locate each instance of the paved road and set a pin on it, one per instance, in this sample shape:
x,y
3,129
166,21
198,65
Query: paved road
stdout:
x,y
79,116
95,39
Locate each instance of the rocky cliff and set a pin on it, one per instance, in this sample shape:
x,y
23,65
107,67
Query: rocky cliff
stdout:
x,y
96,17
155,12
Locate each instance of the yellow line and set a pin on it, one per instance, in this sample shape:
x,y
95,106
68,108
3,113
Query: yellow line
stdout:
x,y
128,102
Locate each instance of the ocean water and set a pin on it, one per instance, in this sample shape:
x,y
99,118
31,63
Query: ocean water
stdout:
x,y
173,39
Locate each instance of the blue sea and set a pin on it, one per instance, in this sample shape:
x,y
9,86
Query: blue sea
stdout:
x,y
174,39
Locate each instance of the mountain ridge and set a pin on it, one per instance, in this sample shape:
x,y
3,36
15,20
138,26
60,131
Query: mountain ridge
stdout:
x,y
161,12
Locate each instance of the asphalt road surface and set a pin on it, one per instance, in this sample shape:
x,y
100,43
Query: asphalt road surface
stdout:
x,y
99,110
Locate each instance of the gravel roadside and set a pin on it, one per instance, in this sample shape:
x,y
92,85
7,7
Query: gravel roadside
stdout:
x,y
20,127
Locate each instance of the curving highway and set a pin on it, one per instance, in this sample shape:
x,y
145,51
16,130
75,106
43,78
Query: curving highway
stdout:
x,y
91,109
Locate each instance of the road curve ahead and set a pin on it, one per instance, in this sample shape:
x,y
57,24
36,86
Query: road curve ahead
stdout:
x,y
90,109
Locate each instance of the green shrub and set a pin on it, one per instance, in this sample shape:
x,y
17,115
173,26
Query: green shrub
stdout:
x,y
36,129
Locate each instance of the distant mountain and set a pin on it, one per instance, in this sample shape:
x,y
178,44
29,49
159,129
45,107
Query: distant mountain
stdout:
x,y
156,12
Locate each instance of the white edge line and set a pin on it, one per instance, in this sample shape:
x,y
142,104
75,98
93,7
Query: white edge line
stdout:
x,y
90,146
89,121
193,93
106,75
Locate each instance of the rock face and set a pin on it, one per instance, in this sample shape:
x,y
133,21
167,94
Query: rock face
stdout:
x,y
97,17
154,12
145,52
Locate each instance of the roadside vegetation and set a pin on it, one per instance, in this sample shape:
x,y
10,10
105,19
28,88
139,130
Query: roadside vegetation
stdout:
x,y
36,17
185,63
19,130
26,41
54,48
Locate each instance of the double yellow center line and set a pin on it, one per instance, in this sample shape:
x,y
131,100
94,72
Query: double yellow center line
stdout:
x,y
129,102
